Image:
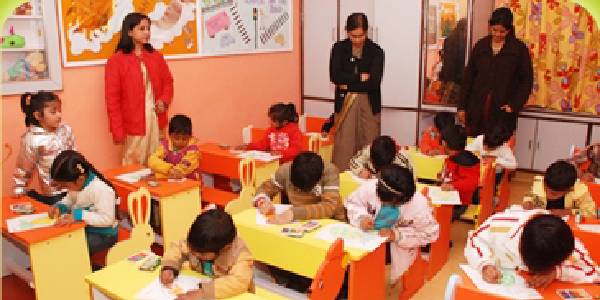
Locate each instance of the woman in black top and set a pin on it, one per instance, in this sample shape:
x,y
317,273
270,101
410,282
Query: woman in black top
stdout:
x,y
498,77
356,69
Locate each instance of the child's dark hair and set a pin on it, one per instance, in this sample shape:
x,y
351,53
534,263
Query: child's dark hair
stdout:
x,y
396,184
496,136
383,151
545,243
306,170
70,164
443,119
126,44
502,16
211,231
180,124
31,103
357,20
560,176
280,112
455,137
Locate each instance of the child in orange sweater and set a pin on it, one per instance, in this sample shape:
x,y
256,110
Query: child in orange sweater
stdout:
x,y
284,136
431,139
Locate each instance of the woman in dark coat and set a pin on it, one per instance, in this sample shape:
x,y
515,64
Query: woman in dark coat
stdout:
x,y
498,77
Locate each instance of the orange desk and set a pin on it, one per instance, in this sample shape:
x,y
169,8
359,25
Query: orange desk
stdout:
x,y
59,255
179,202
591,240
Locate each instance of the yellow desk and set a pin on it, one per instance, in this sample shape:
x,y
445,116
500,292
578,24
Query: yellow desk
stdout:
x,y
424,166
347,185
123,280
304,255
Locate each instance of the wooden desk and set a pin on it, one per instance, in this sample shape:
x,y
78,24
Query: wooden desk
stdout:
x,y
304,255
179,203
123,281
59,255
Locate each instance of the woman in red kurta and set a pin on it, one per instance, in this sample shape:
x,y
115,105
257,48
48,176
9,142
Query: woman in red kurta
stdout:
x,y
138,91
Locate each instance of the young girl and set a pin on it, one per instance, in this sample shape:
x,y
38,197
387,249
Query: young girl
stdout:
x,y
284,136
91,199
391,206
45,137
138,89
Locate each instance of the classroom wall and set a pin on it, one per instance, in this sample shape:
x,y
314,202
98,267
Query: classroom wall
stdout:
x,y
220,94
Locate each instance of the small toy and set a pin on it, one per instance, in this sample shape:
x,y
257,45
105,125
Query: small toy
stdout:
x,y
13,40
24,9
309,226
292,232
138,257
31,67
150,263
22,208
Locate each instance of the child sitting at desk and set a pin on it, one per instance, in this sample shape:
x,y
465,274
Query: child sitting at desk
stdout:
x,y
382,152
560,192
391,205
430,142
461,168
533,241
90,198
214,249
589,161
178,156
311,186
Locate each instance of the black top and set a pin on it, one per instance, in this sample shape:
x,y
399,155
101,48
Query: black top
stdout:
x,y
344,68
555,203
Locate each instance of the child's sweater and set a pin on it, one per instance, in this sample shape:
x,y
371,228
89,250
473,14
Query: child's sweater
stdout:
x,y
185,160
287,140
431,141
462,172
505,158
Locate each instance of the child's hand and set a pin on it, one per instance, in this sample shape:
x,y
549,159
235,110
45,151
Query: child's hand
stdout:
x,y
53,212
285,217
364,174
191,295
167,276
447,187
343,86
367,223
541,280
491,274
364,77
388,234
265,207
65,219
528,205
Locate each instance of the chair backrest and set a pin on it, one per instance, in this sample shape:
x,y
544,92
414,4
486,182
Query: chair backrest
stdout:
x,y
426,167
142,235
314,143
594,189
330,276
414,278
486,194
247,171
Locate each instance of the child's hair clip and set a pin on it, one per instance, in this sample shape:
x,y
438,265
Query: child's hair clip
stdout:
x,y
80,168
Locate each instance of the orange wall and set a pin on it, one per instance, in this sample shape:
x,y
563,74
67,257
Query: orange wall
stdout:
x,y
220,94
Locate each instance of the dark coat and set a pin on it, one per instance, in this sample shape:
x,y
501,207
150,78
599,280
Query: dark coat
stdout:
x,y
507,77
346,69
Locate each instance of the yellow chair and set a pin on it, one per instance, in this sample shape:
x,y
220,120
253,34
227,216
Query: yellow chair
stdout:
x,y
142,235
247,180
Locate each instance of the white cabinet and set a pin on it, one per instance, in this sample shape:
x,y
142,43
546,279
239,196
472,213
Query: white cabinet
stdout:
x,y
595,138
316,108
400,125
319,32
525,142
348,7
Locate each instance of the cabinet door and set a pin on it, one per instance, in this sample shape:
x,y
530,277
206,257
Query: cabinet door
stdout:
x,y
314,108
554,140
348,7
397,29
319,33
525,142
595,134
400,125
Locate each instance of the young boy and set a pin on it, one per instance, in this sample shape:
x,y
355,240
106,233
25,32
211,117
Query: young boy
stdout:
x,y
533,241
382,152
312,188
177,157
461,168
431,139
213,249
560,192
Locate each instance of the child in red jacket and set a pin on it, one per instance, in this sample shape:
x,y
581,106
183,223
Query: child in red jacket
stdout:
x,y
283,137
431,138
461,168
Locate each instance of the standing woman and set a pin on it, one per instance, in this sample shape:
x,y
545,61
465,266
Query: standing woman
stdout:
x,y
498,77
356,69
138,91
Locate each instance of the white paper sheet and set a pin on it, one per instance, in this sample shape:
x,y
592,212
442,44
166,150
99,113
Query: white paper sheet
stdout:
x,y
439,197
357,179
28,222
595,228
158,291
134,177
279,208
353,237
258,155
513,287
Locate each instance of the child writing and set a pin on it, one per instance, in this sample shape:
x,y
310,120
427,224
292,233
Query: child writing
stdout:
x,y
178,156
382,152
212,248
391,205
91,199
431,139
283,136
533,241
589,159
44,138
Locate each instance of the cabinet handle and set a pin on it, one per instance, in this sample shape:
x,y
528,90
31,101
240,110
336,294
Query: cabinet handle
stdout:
x,y
529,147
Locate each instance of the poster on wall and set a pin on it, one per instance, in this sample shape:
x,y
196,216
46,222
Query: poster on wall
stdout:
x,y
245,26
448,17
91,29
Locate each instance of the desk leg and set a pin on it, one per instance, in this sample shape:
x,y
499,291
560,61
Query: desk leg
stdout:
x,y
177,213
59,266
440,249
367,276
326,152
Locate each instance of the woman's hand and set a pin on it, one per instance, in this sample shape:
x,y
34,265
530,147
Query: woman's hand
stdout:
x,y
160,106
506,108
364,77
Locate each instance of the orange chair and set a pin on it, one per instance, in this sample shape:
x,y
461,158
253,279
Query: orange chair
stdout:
x,y
414,278
594,189
504,196
486,195
330,276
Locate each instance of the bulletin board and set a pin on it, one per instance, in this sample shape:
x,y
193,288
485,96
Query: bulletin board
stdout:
x,y
90,30
245,26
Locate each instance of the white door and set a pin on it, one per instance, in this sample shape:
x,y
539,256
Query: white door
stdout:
x,y
397,29
595,134
314,108
320,32
525,142
400,125
348,7
554,140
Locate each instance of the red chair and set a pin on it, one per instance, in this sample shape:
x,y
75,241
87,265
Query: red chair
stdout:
x,y
330,276
414,278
